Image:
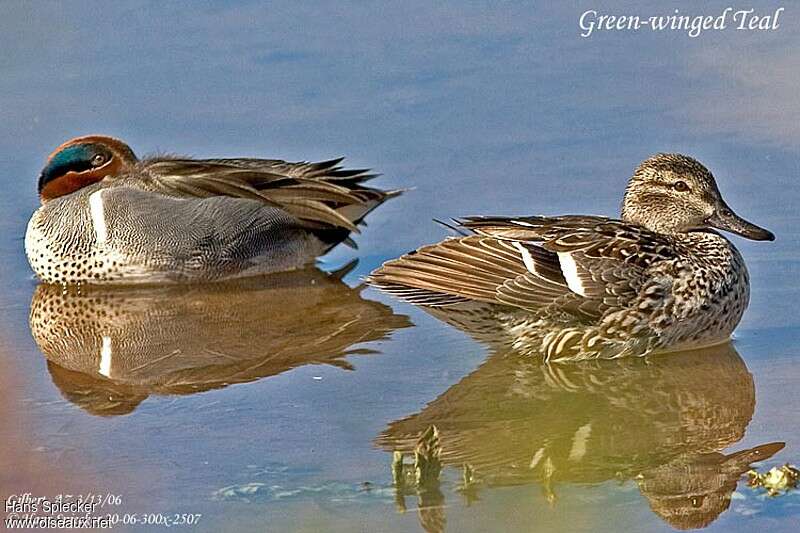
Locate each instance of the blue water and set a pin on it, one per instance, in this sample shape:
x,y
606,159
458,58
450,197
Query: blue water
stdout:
x,y
483,108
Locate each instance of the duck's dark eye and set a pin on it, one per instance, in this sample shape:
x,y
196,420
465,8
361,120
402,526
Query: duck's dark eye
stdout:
x,y
680,186
98,160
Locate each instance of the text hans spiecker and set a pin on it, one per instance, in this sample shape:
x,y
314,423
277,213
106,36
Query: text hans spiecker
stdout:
x,y
592,21
27,503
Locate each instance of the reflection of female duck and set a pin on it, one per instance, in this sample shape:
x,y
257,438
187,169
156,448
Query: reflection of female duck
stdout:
x,y
662,422
129,343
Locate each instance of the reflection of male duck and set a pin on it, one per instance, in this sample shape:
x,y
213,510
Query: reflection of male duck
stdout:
x,y
661,422
109,349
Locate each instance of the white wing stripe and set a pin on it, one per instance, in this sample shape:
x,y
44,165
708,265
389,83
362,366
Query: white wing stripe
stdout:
x,y
570,270
527,258
579,441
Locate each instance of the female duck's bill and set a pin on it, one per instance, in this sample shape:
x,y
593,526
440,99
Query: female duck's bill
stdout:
x,y
725,219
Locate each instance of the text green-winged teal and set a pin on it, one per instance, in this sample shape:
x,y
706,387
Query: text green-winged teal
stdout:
x,y
581,287
107,216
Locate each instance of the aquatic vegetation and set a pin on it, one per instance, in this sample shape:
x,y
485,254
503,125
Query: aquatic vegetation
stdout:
x,y
777,481
427,466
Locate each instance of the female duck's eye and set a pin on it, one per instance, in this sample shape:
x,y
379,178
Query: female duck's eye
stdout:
x,y
680,186
98,160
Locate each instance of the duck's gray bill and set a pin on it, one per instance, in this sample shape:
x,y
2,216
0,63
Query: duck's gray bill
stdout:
x,y
725,219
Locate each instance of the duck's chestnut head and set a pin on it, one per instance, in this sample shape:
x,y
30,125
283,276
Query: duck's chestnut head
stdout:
x,y
81,162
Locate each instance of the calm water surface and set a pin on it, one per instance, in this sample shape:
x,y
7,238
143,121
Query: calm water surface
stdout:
x,y
277,403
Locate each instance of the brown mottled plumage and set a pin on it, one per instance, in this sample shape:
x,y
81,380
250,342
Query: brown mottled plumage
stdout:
x,y
579,287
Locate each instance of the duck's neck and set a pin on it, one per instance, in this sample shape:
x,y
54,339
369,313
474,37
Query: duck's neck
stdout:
x,y
655,224
654,215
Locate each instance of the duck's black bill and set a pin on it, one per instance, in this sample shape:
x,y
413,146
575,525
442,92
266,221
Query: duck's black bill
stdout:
x,y
725,219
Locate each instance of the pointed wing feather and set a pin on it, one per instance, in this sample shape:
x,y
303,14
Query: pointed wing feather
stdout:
x,y
535,228
320,195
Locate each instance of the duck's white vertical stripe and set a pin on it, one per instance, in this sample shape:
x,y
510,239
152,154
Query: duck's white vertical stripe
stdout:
x,y
98,216
105,356
570,270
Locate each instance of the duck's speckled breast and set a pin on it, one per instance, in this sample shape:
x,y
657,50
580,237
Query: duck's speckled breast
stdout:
x,y
710,291
60,242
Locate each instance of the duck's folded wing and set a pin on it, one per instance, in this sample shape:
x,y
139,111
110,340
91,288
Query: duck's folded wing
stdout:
x,y
579,265
319,195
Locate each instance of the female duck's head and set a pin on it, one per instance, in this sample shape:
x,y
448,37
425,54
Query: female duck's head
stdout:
x,y
673,193
81,162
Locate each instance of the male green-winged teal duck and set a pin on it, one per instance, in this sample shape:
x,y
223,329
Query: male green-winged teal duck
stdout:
x,y
580,287
107,216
